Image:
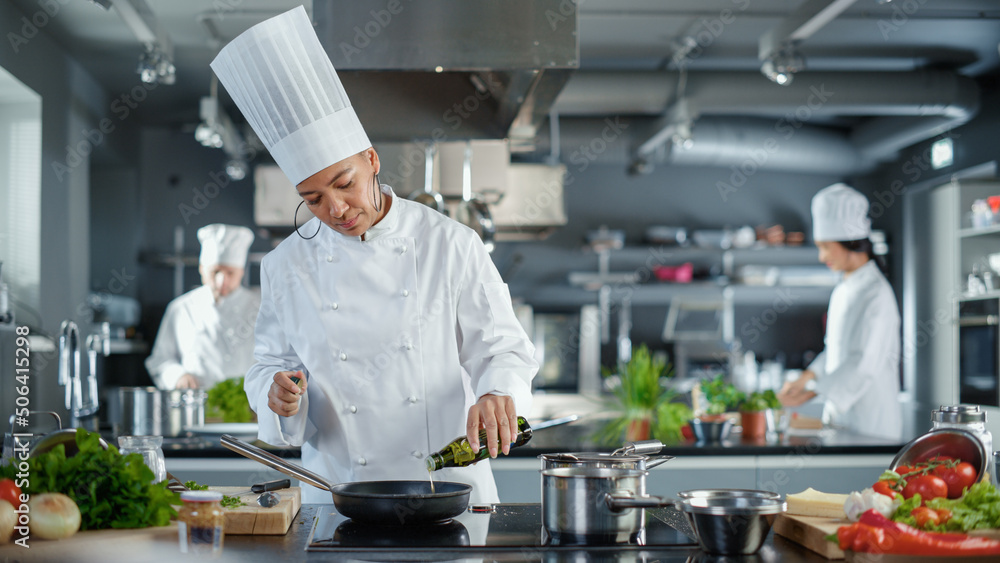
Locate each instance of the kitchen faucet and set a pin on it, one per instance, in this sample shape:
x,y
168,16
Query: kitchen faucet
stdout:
x,y
69,373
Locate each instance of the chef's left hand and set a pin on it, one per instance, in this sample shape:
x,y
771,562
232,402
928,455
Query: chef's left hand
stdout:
x,y
496,414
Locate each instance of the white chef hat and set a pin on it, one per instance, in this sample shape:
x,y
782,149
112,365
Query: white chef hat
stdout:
x,y
224,244
284,83
840,213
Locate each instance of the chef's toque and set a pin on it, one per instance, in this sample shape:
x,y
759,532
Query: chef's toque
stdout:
x,y
224,244
840,213
284,83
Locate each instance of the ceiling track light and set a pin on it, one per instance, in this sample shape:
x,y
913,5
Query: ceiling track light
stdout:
x,y
781,65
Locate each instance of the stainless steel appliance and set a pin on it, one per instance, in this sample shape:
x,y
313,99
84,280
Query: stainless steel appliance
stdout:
x,y
979,352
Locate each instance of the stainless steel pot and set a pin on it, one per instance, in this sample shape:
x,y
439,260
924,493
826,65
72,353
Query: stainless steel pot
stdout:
x,y
634,455
148,411
595,504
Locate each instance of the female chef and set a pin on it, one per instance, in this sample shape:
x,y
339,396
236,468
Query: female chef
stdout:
x,y
393,315
857,374
206,334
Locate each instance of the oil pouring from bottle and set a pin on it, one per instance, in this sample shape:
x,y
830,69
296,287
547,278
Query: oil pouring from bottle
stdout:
x,y
458,453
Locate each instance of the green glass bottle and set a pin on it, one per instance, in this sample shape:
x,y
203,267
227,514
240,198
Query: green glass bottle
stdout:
x,y
459,453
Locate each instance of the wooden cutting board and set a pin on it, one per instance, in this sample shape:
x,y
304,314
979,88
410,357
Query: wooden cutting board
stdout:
x,y
253,519
811,532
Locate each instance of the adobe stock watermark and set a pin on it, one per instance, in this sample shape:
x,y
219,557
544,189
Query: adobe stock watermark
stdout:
x,y
787,126
32,24
219,180
901,13
584,155
365,33
707,32
759,324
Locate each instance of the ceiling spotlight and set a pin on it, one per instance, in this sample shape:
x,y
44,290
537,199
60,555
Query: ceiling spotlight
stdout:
x,y
155,66
236,169
781,65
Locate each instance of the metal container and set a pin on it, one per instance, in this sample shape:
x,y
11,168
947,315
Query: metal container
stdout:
x,y
729,522
631,456
970,418
148,411
595,504
952,442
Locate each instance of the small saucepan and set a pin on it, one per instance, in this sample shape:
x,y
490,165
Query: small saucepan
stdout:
x,y
386,503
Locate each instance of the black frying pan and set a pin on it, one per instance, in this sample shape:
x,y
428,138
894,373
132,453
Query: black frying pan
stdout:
x,y
388,503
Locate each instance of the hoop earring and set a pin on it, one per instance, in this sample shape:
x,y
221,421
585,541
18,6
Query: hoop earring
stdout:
x,y
295,223
377,194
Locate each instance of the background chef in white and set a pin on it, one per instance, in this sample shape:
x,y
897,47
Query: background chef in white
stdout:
x,y
857,374
395,314
206,335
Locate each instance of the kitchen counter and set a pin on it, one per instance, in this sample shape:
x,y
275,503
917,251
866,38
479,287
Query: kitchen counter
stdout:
x,y
161,544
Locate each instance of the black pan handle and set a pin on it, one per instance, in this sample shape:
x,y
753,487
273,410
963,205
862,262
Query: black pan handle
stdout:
x,y
270,486
274,462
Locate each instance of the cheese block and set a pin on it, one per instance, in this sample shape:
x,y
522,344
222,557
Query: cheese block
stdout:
x,y
811,502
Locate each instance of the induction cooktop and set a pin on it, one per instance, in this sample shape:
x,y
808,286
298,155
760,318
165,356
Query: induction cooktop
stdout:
x,y
498,527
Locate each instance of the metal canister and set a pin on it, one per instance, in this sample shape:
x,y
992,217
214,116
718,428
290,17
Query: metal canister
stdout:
x,y
970,418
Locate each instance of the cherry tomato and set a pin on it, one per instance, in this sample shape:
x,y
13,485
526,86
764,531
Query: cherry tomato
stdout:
x,y
924,515
10,492
943,514
958,478
927,486
885,488
902,470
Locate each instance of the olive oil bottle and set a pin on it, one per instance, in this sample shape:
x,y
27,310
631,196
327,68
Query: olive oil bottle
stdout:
x,y
459,453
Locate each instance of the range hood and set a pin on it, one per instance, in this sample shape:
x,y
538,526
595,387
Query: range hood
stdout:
x,y
451,69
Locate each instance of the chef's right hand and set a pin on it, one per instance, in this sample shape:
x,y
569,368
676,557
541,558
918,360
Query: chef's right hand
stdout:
x,y
284,395
187,381
794,393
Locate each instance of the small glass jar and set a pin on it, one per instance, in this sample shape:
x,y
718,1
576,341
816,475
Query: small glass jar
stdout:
x,y
200,523
151,450
970,418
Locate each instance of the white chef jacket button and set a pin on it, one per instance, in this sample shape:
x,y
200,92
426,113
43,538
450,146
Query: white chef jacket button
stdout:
x,y
408,346
352,408
405,292
417,454
343,356
362,461
334,306
411,399
402,250
329,258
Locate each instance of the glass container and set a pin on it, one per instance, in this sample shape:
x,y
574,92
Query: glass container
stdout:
x,y
200,522
970,418
150,447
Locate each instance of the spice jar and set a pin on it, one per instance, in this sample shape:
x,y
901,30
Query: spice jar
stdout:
x,y
200,522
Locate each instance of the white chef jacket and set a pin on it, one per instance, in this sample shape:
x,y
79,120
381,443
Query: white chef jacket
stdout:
x,y
399,335
211,340
857,374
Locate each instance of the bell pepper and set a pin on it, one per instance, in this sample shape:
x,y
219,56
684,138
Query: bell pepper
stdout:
x,y
874,533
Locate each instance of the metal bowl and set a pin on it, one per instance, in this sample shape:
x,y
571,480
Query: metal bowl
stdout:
x,y
953,442
730,522
710,431
719,493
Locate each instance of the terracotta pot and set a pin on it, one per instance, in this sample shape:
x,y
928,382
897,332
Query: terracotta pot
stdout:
x,y
754,424
638,429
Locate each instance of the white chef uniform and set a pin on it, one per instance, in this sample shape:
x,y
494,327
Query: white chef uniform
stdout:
x,y
857,374
212,340
398,334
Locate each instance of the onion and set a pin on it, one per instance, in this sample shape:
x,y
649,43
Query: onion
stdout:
x,y
8,519
53,516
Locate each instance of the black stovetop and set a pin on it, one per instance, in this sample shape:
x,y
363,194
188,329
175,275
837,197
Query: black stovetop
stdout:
x,y
501,527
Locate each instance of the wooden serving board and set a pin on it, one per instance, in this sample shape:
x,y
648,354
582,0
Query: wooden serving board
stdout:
x,y
253,519
811,532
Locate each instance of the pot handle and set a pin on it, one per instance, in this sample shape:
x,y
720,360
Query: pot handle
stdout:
x,y
640,447
654,461
618,501
274,462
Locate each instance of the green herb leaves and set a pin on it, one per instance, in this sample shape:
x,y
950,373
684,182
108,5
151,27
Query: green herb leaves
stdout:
x,y
228,401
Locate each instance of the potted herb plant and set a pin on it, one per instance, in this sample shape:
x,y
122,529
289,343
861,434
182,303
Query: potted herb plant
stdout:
x,y
717,397
754,411
646,409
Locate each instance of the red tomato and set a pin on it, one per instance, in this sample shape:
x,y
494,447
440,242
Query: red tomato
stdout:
x,y
924,515
10,492
958,478
927,486
902,470
943,514
885,488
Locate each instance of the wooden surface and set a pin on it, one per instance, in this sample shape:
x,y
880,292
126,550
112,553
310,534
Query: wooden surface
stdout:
x,y
253,519
811,532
